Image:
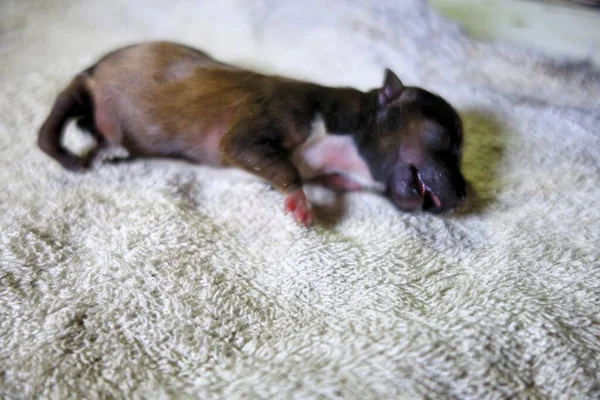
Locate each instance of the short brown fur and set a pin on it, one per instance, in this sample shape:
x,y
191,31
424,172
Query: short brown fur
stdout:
x,y
162,99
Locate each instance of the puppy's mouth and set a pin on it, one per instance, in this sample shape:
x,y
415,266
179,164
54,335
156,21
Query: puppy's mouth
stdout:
x,y
430,199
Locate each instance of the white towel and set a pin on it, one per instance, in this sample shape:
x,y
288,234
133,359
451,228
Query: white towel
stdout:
x,y
160,279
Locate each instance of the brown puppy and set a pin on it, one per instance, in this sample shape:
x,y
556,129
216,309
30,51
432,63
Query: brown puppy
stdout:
x,y
162,99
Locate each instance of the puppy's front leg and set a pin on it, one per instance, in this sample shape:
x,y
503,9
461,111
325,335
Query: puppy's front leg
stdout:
x,y
255,144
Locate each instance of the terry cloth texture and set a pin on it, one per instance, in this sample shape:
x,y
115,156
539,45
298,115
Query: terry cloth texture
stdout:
x,y
160,279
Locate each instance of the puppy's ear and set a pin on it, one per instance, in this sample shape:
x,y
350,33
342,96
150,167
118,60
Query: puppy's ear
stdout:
x,y
391,89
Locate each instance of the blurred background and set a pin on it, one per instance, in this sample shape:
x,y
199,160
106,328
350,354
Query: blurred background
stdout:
x,y
564,27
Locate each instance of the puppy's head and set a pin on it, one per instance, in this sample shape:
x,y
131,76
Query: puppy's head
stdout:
x,y
415,148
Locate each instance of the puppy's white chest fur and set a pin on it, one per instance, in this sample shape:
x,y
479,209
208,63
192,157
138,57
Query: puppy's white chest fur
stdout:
x,y
324,154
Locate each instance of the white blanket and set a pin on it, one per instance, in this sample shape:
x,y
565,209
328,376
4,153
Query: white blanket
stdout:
x,y
163,279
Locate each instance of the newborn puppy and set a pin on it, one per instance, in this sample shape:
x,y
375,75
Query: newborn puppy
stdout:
x,y
162,99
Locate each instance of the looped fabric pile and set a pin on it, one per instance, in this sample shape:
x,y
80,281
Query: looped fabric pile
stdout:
x,y
156,278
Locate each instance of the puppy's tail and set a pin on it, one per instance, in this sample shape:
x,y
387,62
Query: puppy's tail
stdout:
x,y
73,102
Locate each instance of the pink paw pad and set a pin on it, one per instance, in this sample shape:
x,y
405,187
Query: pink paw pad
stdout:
x,y
297,204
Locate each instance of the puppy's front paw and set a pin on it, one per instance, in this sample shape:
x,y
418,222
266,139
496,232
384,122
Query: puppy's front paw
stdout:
x,y
297,203
341,183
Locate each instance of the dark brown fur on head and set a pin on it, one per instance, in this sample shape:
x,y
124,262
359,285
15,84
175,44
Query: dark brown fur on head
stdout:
x,y
415,148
